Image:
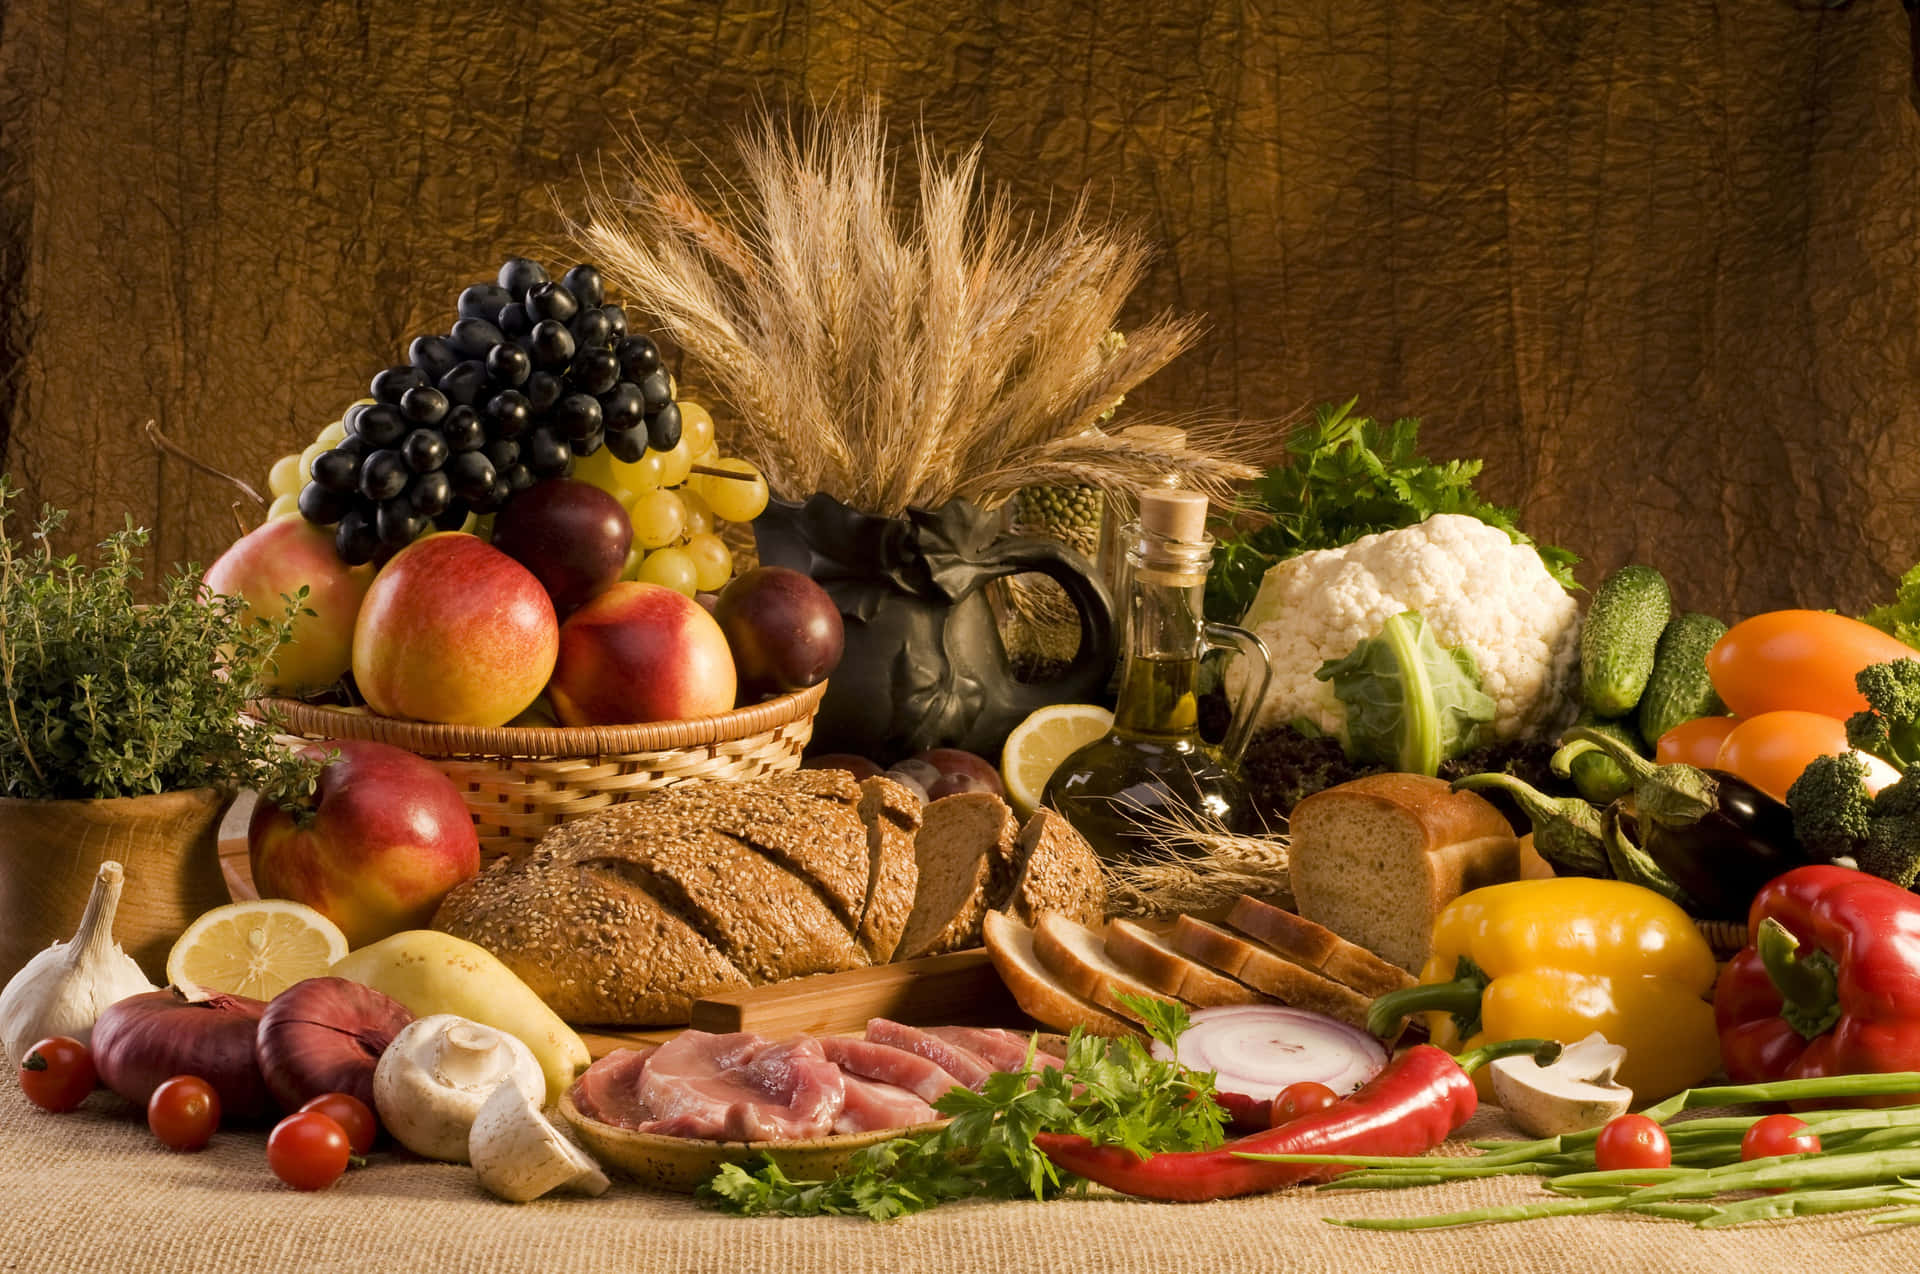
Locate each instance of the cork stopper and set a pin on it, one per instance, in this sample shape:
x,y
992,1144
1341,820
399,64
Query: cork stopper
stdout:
x,y
1174,514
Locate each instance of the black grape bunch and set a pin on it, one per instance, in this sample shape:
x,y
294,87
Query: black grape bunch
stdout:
x,y
532,374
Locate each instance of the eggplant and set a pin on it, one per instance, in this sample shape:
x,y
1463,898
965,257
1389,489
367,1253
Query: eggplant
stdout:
x,y
1715,835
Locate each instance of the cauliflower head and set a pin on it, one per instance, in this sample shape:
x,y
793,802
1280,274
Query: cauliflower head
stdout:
x,y
1475,587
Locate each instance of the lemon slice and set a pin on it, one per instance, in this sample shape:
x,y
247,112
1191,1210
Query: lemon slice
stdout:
x,y
1037,746
257,949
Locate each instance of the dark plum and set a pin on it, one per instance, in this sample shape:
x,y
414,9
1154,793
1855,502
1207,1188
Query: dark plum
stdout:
x,y
785,632
572,535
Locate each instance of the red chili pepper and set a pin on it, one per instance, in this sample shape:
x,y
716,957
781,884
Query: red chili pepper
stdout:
x,y
1408,1108
1831,984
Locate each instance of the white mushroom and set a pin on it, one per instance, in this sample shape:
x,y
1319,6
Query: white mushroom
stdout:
x,y
521,1156
1573,1094
433,1079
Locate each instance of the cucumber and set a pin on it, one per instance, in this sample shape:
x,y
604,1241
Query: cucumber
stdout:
x,y
1679,689
1597,776
1623,626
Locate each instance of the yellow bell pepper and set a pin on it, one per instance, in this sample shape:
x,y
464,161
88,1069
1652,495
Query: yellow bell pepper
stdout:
x,y
1561,958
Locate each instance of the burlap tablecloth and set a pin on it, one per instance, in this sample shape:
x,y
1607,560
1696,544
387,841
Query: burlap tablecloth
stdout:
x,y
92,1191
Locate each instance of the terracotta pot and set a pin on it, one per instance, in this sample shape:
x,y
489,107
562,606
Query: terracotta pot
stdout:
x,y
50,850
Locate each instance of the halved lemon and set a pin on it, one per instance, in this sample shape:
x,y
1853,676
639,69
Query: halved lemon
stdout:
x,y
257,949
1037,746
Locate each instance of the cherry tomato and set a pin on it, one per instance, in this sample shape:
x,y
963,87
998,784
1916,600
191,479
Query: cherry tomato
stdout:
x,y
1632,1141
1300,1099
183,1112
1770,750
308,1150
57,1074
1803,660
353,1117
1695,742
1779,1135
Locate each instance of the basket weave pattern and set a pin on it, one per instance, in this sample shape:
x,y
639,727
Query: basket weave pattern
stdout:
x,y
521,782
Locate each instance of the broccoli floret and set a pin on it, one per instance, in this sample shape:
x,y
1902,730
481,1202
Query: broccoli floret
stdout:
x,y
1890,727
1832,812
1835,817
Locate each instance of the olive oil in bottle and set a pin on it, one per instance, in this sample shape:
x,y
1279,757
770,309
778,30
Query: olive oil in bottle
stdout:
x,y
1127,790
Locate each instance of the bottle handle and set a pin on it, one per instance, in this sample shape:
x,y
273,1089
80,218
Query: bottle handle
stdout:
x,y
1239,641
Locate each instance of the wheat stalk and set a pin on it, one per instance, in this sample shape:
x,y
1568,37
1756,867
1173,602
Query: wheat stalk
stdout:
x,y
896,352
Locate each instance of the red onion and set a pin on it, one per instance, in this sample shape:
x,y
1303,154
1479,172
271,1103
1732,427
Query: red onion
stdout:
x,y
325,1035
1258,1049
141,1042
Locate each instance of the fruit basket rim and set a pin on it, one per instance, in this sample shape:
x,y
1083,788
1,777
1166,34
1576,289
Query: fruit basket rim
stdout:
x,y
319,721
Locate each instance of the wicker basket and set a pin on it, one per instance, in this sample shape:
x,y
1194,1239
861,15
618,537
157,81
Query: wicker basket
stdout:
x,y
520,782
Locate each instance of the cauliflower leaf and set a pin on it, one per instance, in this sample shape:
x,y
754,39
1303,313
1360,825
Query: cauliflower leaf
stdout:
x,y
1411,702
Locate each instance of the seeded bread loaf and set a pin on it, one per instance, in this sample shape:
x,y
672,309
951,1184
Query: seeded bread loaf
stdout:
x,y
1058,871
1376,859
964,852
630,915
892,816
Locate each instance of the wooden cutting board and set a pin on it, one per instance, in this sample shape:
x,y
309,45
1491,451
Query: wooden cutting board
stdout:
x,y
946,990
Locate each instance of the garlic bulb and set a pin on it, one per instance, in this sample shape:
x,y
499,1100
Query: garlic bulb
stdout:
x,y
64,989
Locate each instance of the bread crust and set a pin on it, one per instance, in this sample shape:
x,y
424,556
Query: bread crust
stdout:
x,y
1038,993
630,915
892,816
1150,958
1268,971
1058,871
1316,947
1462,842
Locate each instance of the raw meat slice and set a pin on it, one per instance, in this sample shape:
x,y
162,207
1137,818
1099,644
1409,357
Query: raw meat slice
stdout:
x,y
609,1091
740,1087
961,1063
872,1106
1002,1050
886,1064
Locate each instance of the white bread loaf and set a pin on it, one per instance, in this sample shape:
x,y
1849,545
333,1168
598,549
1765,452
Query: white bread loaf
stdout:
x,y
1375,859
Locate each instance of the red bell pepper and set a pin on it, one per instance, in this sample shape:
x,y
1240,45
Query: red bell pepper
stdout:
x,y
1408,1108
1831,984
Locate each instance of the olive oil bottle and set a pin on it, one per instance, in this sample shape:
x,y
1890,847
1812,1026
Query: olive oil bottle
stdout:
x,y
1128,790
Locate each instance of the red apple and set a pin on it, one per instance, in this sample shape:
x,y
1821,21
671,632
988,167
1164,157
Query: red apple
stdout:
x,y
278,558
389,835
572,535
785,631
454,630
640,652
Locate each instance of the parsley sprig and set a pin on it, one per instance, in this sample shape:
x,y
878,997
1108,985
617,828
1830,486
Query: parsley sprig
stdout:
x,y
1347,476
1113,1092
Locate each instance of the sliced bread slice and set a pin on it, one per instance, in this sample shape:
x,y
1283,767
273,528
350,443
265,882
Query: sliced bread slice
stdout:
x,y
1267,970
963,842
1039,994
1058,872
1077,956
892,816
1317,947
1145,954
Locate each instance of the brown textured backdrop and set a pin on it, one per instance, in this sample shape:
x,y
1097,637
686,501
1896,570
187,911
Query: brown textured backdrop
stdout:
x,y
1656,261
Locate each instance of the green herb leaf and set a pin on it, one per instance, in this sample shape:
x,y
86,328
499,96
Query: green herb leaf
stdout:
x,y
1349,476
1166,1020
109,694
